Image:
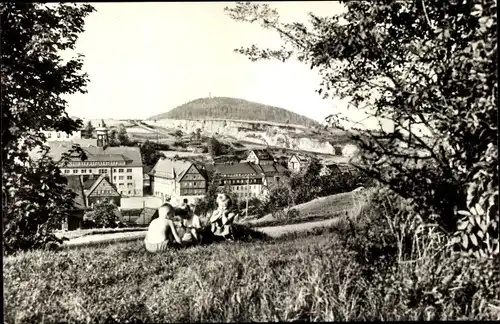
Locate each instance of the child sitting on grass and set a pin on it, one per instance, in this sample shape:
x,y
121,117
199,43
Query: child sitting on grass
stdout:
x,y
223,217
162,232
191,226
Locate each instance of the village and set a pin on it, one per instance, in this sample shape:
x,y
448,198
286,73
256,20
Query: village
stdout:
x,y
117,174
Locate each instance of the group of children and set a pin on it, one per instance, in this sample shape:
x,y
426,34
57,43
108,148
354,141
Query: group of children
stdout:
x,y
165,231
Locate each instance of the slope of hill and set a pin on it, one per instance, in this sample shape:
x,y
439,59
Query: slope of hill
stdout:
x,y
234,109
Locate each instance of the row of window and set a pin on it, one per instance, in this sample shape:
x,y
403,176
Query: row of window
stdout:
x,y
121,170
104,191
240,181
194,184
245,187
129,185
49,135
101,171
246,194
191,192
121,177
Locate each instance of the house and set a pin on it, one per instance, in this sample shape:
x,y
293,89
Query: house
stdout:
x,y
244,179
271,174
297,163
177,180
99,189
122,164
261,157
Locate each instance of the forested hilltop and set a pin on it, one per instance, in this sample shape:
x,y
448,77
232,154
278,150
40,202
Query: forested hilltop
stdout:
x,y
233,108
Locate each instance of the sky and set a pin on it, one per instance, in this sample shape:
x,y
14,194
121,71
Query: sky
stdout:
x,y
147,58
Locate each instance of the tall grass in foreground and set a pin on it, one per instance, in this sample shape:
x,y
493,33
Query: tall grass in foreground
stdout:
x,y
362,270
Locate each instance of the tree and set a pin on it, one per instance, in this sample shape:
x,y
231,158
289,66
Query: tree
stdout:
x,y
149,153
122,135
178,133
429,69
214,147
198,133
208,202
113,138
104,214
307,186
35,80
89,129
103,124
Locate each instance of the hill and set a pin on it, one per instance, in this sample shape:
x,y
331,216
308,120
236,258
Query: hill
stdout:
x,y
235,109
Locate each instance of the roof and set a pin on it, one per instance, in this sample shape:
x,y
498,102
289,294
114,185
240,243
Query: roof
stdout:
x,y
147,168
262,154
96,183
75,185
271,170
169,169
131,155
236,169
301,158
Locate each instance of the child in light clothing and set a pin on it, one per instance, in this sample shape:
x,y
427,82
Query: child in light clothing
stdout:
x,y
223,217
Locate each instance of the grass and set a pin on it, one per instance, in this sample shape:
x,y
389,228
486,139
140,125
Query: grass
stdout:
x,y
300,276
257,281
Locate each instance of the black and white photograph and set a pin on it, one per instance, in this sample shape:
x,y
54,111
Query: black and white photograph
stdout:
x,y
262,161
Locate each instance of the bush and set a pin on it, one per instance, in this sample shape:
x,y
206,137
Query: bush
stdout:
x,y
103,215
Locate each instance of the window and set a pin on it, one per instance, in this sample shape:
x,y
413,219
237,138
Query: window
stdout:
x,y
102,171
129,170
114,178
120,184
49,135
129,177
120,178
90,170
66,171
58,135
114,170
120,170
129,185
129,192
84,171
75,171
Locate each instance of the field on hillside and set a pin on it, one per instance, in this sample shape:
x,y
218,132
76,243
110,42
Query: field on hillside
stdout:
x,y
320,208
297,277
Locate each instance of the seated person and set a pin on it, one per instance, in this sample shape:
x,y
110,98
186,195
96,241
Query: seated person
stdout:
x,y
223,217
161,231
191,225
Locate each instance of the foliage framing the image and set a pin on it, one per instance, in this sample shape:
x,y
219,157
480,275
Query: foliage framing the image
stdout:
x,y
34,79
428,67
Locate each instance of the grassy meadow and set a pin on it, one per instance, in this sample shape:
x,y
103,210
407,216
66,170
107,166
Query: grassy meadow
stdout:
x,y
301,276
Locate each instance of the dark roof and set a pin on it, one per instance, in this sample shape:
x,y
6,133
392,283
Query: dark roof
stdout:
x,y
75,185
262,154
147,168
271,170
235,169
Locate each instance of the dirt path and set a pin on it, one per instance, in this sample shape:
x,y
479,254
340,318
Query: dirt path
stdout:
x,y
273,231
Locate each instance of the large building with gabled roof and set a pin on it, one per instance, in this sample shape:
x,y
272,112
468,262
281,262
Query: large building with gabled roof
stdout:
x,y
176,180
121,164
